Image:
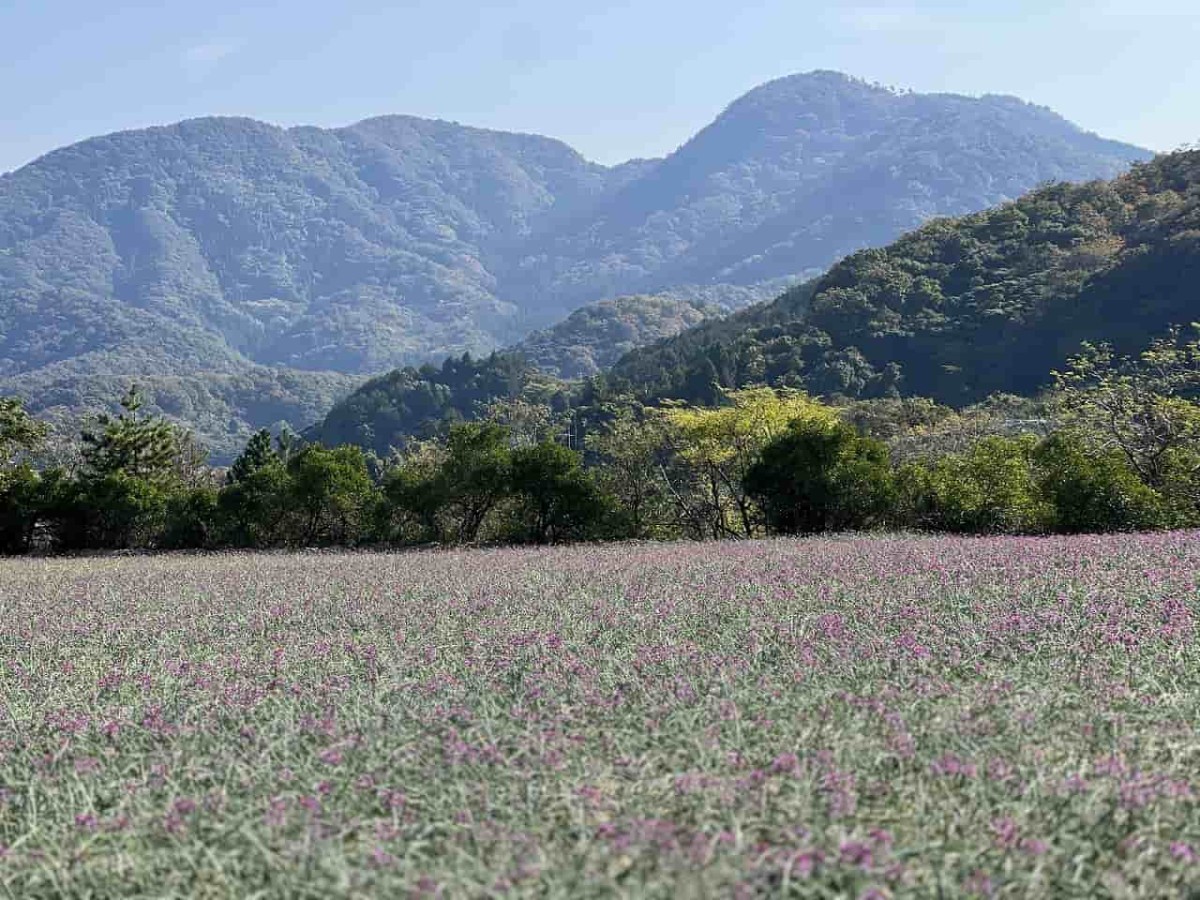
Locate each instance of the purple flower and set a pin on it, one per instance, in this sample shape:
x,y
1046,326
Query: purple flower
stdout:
x,y
856,853
1005,833
1183,852
1033,847
787,763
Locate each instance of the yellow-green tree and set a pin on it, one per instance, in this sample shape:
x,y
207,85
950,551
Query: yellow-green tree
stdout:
x,y
633,451
717,446
1142,407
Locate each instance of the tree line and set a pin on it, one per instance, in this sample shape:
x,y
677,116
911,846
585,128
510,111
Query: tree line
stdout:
x,y
1114,447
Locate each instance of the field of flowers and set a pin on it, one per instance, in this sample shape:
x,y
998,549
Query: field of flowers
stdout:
x,y
847,717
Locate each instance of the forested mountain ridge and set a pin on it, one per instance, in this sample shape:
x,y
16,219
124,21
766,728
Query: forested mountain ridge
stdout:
x,y
391,410
966,307
224,252
596,335
346,250
211,247
803,170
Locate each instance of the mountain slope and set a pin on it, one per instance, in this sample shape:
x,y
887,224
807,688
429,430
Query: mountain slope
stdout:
x,y
212,247
596,335
424,402
215,240
803,170
962,308
223,409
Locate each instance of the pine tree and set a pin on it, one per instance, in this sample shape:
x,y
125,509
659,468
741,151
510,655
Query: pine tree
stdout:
x,y
133,444
19,432
259,453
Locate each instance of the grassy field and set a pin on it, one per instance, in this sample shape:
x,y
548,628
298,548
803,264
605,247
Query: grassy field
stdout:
x,y
850,717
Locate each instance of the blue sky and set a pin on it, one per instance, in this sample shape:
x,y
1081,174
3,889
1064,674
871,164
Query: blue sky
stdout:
x,y
614,79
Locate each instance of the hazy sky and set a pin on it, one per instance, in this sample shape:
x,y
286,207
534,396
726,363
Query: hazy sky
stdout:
x,y
614,79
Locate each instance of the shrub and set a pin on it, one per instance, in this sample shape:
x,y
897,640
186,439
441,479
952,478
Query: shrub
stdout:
x,y
821,476
555,499
190,520
1092,492
989,489
117,511
251,511
21,505
1181,486
329,495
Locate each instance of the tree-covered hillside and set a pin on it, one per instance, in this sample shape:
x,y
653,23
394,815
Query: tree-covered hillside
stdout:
x,y
224,409
596,335
806,169
221,239
962,308
389,411
213,246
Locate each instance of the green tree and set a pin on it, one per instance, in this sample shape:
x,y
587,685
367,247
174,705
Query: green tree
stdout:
x,y
632,450
133,464
330,495
989,489
413,496
528,421
555,499
1093,492
288,443
260,452
20,433
1143,407
190,519
1180,489
475,476
253,510
21,491
138,445
22,504
114,511
821,476
717,446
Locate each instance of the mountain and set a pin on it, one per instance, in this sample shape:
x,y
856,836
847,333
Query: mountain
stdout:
x,y
963,308
595,336
803,170
214,247
220,240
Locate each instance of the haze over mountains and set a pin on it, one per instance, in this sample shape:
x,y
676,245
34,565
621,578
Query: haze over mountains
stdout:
x,y
227,251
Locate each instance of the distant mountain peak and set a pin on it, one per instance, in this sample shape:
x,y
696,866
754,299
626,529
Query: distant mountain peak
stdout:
x,y
830,77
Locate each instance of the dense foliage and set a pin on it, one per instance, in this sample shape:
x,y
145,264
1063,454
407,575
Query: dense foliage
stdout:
x,y
595,336
391,410
964,308
223,409
820,477
1115,448
203,249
